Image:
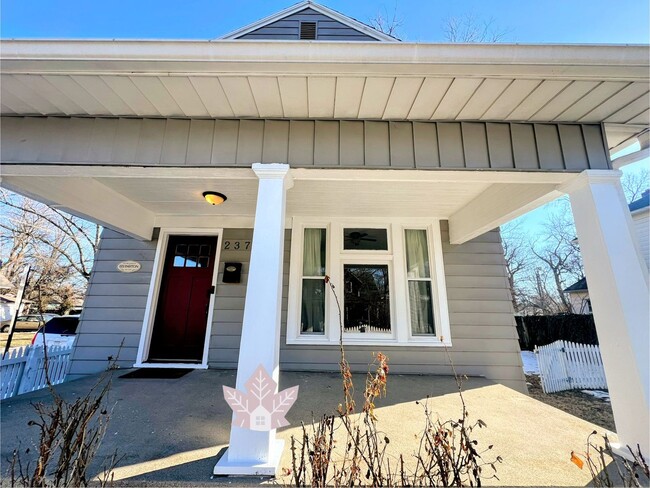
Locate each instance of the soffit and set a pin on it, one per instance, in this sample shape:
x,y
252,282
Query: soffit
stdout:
x,y
338,80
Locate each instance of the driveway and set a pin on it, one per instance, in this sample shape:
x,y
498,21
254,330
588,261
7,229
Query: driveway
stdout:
x,y
171,430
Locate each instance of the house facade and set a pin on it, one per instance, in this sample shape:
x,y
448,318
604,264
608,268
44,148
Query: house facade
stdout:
x,y
233,175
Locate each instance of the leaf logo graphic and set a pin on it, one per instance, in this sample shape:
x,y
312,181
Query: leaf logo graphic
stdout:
x,y
260,408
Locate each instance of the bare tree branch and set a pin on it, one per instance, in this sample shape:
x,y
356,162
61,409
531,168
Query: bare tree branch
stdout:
x,y
468,28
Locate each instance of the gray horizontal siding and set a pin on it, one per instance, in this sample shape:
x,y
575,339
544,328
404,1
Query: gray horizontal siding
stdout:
x,y
113,312
482,323
288,28
304,143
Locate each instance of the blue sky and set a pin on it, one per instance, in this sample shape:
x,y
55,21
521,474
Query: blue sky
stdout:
x,y
527,21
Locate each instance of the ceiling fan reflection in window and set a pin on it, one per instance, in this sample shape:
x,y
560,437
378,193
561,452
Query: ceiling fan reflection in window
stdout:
x,y
356,238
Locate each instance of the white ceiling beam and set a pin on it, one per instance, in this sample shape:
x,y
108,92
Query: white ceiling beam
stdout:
x,y
498,204
86,198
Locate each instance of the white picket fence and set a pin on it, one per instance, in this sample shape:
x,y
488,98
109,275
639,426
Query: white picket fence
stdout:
x,y
568,366
23,368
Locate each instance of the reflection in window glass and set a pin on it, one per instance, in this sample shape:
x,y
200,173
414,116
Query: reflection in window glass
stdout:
x,y
365,239
366,298
312,315
192,256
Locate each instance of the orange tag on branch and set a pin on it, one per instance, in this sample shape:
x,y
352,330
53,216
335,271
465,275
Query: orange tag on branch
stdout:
x,y
576,460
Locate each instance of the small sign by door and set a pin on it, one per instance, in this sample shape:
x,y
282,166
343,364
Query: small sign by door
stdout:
x,y
128,266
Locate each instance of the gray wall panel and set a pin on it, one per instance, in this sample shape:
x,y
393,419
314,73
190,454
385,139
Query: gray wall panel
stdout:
x,y
320,143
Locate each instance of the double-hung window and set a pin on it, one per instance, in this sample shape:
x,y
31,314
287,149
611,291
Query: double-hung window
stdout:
x,y
312,309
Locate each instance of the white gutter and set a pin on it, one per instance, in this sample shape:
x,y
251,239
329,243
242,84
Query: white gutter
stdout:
x,y
602,62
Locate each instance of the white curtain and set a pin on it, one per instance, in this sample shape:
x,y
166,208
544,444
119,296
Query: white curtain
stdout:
x,y
313,290
417,267
313,259
417,255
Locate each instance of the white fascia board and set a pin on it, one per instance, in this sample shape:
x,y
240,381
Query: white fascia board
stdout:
x,y
599,62
343,19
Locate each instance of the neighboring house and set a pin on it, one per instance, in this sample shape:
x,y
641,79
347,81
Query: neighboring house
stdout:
x,y
7,302
326,147
579,297
640,211
8,306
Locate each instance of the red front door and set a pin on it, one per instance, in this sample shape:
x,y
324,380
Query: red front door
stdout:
x,y
184,300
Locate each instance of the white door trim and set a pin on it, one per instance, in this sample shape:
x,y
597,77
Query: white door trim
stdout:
x,y
154,289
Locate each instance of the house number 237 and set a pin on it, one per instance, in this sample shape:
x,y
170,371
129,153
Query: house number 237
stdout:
x,y
237,245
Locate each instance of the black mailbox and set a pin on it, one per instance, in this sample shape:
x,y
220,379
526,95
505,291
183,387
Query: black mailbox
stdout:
x,y
232,273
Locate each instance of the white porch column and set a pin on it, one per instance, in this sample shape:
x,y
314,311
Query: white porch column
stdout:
x,y
618,287
254,452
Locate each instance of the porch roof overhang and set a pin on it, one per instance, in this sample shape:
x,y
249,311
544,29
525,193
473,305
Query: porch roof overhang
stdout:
x,y
136,200
341,80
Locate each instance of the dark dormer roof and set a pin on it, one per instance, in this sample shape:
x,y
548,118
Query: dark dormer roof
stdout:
x,y
308,20
643,202
580,285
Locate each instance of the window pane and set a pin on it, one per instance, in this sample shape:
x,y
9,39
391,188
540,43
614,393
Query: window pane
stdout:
x,y
365,239
421,307
313,306
314,253
366,298
417,254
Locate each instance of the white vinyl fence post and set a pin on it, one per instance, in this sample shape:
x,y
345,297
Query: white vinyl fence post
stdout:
x,y
30,373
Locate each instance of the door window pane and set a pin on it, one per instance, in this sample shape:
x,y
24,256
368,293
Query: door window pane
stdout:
x,y
365,239
312,319
366,298
421,307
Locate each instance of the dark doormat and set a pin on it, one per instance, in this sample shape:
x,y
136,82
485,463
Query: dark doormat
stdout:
x,y
157,373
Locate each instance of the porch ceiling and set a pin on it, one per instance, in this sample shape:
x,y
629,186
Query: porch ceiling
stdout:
x,y
382,81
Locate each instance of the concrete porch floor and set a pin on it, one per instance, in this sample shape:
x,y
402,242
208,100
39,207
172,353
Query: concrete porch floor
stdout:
x,y
171,430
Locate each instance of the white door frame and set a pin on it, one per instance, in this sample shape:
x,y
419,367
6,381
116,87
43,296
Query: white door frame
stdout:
x,y
154,289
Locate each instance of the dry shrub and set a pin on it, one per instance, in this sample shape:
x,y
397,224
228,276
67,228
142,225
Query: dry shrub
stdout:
x,y
70,433
447,452
608,469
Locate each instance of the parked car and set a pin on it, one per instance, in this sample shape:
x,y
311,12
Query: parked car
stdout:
x,y
58,331
27,322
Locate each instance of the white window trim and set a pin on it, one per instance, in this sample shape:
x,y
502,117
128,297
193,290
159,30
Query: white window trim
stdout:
x,y
401,334
154,289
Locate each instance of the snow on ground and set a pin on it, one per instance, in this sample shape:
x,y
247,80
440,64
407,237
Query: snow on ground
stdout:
x,y
529,358
603,395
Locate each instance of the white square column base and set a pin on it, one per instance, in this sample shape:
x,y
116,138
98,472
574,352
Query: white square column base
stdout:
x,y
242,468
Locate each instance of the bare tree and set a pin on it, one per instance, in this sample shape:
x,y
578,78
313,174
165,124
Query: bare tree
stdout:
x,y
468,28
634,184
59,247
518,259
558,253
388,24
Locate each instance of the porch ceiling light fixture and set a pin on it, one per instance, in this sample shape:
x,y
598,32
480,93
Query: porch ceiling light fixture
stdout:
x,y
214,198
